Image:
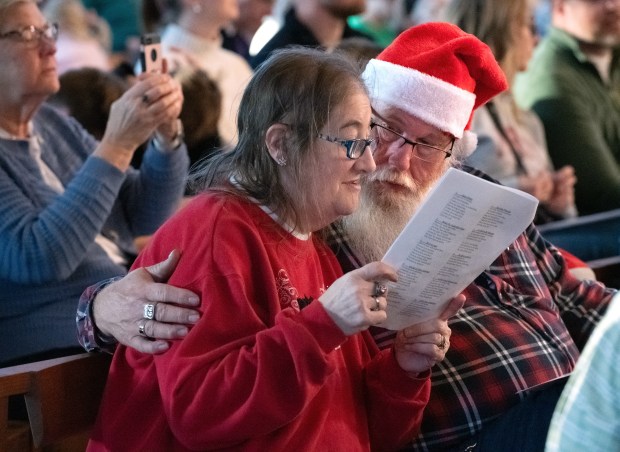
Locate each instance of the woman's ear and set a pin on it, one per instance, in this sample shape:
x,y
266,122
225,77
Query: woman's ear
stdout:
x,y
275,139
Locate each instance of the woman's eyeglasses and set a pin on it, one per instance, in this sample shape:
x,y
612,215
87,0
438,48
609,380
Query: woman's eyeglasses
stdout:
x,y
355,147
31,33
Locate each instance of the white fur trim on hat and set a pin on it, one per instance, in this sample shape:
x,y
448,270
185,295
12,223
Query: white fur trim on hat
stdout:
x,y
465,146
441,104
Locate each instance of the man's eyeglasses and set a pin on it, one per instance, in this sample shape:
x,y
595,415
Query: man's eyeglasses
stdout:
x,y
355,147
428,152
31,33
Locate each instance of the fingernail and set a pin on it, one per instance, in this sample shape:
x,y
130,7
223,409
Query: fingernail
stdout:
x,y
162,346
181,332
193,318
193,300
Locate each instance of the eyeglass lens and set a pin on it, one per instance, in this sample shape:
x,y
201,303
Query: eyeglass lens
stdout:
x,y
356,148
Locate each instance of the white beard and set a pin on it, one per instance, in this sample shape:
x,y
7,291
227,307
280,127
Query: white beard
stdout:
x,y
383,213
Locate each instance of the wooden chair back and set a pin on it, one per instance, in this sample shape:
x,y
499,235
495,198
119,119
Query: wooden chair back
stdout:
x,y
62,398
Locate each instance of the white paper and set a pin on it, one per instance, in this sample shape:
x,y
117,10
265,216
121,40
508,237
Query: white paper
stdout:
x,y
464,224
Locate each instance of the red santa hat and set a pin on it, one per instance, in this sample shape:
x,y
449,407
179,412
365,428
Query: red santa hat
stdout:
x,y
438,73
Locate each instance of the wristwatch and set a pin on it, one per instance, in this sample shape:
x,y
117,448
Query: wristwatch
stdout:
x,y
175,142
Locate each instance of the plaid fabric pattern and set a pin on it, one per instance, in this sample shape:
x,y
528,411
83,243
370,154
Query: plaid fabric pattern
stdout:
x,y
88,335
524,321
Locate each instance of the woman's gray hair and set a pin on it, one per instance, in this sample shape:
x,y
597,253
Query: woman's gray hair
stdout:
x,y
298,87
6,3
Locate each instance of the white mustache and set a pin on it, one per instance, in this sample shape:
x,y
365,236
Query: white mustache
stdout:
x,y
395,177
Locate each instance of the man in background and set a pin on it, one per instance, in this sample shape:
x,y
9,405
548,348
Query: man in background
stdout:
x,y
573,84
313,23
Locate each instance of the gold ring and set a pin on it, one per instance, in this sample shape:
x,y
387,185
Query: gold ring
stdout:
x,y
141,330
442,344
377,306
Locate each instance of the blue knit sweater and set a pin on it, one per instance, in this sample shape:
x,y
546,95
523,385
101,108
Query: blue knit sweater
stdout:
x,y
48,254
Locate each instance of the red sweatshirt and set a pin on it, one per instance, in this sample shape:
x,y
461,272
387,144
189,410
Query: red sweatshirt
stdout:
x,y
255,373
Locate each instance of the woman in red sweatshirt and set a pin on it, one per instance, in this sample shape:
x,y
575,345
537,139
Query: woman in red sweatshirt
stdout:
x,y
280,359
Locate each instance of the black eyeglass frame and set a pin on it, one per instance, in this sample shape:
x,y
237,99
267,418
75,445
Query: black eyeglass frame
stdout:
x,y
50,31
413,144
349,144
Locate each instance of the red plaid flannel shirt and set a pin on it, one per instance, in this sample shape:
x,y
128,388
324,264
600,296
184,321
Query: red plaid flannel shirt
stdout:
x,y
524,321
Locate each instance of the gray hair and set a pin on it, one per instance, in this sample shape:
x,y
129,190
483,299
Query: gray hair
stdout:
x,y
6,3
299,87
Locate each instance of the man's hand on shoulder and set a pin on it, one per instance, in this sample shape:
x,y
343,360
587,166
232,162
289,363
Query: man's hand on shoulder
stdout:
x,y
122,309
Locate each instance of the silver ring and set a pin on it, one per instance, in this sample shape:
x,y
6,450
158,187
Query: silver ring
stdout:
x,y
380,289
442,344
141,330
377,306
149,311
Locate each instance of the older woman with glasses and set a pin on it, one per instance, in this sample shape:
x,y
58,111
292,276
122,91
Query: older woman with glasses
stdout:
x,y
280,358
69,205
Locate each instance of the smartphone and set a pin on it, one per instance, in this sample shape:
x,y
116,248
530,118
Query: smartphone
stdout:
x,y
151,58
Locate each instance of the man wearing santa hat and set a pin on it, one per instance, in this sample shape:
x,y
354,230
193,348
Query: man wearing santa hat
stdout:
x,y
525,318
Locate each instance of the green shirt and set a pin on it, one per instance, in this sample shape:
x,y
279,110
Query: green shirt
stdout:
x,y
382,35
581,115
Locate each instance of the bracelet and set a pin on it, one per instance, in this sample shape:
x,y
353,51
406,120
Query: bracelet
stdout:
x,y
175,142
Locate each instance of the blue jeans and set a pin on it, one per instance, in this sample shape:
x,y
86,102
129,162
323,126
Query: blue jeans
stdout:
x,y
589,238
523,428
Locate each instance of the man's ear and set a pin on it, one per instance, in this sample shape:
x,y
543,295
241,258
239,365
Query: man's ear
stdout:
x,y
275,139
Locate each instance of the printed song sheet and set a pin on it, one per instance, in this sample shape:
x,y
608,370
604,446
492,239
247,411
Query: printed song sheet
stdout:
x,y
461,228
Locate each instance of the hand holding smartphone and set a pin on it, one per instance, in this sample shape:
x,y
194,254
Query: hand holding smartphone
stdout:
x,y
151,58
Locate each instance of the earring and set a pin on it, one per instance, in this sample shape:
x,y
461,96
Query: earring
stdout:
x,y
281,160
197,8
